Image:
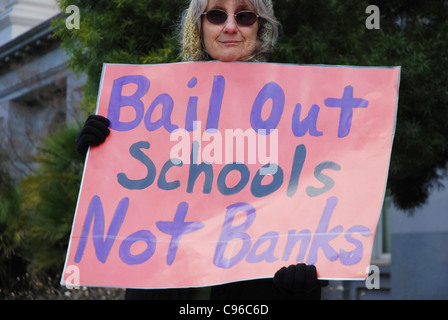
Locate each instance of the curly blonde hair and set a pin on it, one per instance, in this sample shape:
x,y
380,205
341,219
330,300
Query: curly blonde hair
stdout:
x,y
190,31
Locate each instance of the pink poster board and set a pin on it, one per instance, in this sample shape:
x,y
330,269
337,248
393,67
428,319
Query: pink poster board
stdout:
x,y
219,172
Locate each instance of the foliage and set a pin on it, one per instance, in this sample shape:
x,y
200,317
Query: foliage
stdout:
x,y
119,31
49,198
36,216
12,258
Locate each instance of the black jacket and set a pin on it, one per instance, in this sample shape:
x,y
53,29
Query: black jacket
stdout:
x,y
261,289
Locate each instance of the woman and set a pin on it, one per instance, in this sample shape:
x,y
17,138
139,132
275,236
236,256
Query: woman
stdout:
x,y
209,34
224,30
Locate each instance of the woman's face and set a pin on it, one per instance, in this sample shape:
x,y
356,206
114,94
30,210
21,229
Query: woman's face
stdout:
x,y
229,41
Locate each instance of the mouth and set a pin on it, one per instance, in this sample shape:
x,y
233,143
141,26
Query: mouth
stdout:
x,y
230,42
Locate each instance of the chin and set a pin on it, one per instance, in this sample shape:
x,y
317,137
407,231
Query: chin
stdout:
x,y
229,55
232,58
228,59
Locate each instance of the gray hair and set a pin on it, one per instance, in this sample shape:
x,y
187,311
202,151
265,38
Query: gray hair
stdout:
x,y
268,29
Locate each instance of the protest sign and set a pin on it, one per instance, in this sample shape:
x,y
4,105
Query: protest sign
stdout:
x,y
218,172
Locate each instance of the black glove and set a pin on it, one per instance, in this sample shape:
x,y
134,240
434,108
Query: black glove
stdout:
x,y
93,133
299,279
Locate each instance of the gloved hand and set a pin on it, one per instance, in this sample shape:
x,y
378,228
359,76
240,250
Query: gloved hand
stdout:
x,y
93,133
299,279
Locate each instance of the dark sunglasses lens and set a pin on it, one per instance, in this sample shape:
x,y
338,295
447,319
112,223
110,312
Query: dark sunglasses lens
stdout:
x,y
216,16
246,18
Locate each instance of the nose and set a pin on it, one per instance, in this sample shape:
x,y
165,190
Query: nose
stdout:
x,y
230,25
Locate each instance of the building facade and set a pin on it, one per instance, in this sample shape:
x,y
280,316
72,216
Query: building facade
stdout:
x,y
38,93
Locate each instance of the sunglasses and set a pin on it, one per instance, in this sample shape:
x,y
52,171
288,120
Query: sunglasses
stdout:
x,y
242,18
